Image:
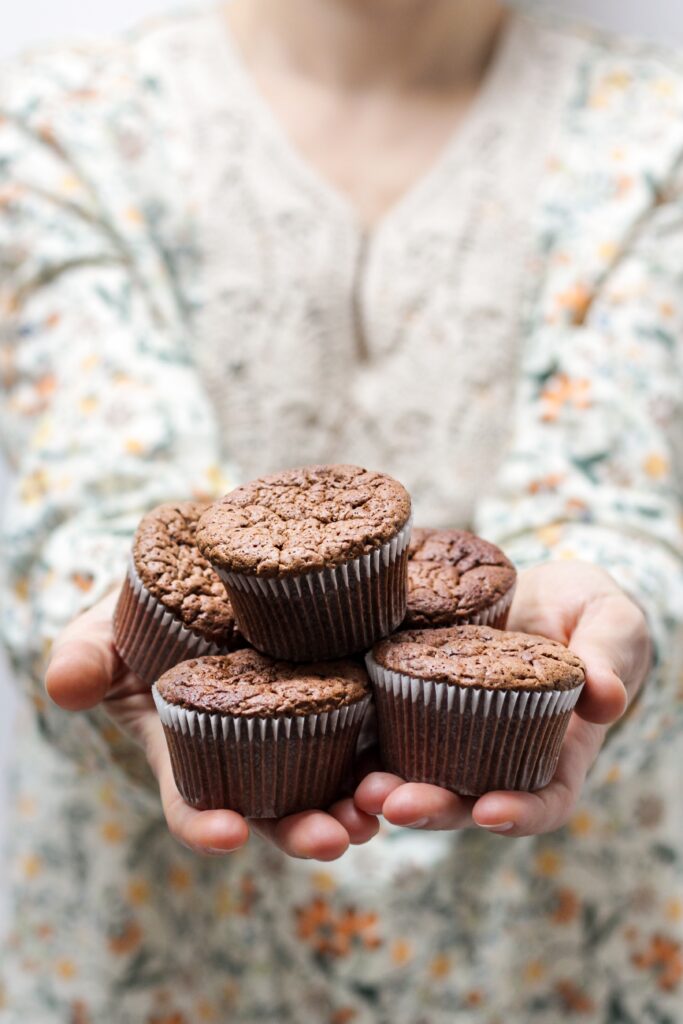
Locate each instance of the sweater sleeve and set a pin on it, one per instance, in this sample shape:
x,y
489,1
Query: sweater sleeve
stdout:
x,y
103,414
595,468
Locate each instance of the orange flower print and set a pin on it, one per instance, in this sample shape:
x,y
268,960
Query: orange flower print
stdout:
x,y
34,487
312,918
47,134
664,957
127,940
206,1011
323,881
573,998
561,391
79,1013
344,1015
179,878
66,969
401,952
46,385
88,405
247,896
673,911
581,824
440,966
133,446
218,482
625,183
574,505
575,302
533,972
134,215
138,892
546,484
82,581
566,907
361,925
31,866
656,466
548,863
112,832
334,933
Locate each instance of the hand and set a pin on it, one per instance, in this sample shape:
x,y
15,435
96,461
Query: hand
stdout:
x,y
85,670
582,607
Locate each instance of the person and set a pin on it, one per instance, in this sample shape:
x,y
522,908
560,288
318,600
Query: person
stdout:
x,y
443,240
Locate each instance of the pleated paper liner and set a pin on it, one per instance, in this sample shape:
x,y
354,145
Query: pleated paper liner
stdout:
x,y
151,639
261,767
495,616
327,614
469,739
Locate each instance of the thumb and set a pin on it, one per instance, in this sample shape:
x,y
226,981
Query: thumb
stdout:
x,y
611,639
83,663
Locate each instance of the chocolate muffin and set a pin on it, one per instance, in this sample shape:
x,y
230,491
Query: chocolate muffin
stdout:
x,y
455,577
473,708
172,605
258,736
314,559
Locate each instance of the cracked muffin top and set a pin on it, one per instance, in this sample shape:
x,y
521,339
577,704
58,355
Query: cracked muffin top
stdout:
x,y
301,520
480,656
172,569
250,684
452,575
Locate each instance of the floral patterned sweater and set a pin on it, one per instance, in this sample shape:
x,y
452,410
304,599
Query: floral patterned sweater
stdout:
x,y
184,302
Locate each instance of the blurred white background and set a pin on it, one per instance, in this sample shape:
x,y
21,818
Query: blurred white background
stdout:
x,y
36,21
33,22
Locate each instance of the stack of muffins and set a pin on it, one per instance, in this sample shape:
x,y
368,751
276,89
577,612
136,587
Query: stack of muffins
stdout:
x,y
247,618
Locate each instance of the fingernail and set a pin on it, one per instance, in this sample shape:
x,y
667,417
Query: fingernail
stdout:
x,y
504,826
420,823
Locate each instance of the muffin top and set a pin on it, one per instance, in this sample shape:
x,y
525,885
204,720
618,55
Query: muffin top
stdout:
x,y
452,574
302,520
480,656
172,569
249,684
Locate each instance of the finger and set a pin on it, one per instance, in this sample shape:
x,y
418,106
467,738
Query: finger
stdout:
x,y
209,832
611,638
525,814
81,672
420,805
372,792
360,827
310,835
604,698
84,663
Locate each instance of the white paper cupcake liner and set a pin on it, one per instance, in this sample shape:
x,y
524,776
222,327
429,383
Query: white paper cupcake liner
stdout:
x,y
496,615
330,613
261,767
149,637
469,739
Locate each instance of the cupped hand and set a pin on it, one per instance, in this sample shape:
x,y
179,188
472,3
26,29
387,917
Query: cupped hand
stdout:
x,y
85,670
582,607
